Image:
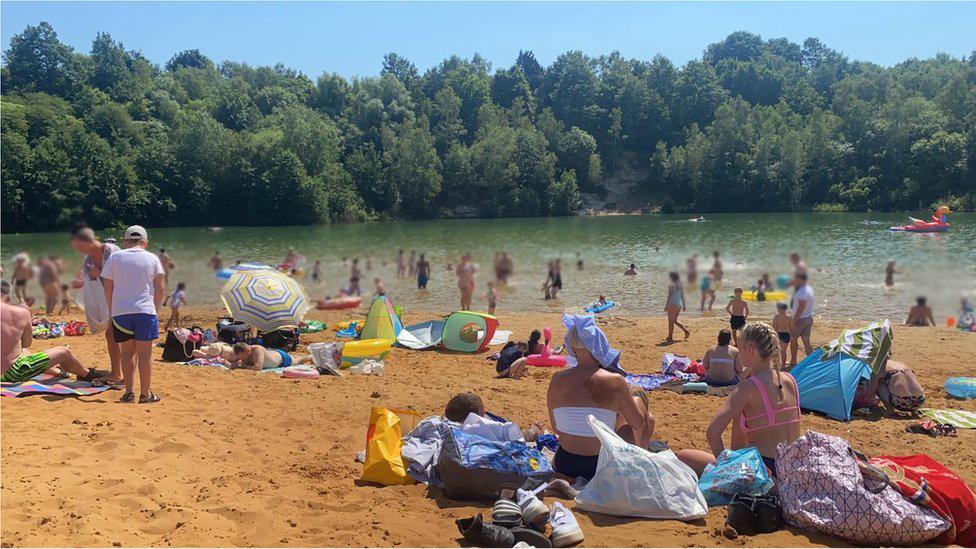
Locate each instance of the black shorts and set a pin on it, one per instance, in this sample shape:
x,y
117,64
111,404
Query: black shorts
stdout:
x,y
737,322
784,337
20,282
574,465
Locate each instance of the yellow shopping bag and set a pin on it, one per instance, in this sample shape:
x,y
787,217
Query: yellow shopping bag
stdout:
x,y
384,442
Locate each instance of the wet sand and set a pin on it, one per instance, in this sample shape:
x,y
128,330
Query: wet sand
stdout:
x,y
243,458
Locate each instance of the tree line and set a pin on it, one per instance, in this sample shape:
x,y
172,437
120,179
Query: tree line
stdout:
x,y
754,125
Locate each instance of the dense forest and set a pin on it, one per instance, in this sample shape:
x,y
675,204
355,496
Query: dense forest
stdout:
x,y
754,125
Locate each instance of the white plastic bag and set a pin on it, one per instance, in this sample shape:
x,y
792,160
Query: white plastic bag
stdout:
x,y
96,308
671,363
326,357
633,482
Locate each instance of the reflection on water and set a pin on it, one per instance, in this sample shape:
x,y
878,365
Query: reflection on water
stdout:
x,y
846,253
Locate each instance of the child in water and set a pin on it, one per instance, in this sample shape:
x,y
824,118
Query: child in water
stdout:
x,y
178,298
492,296
738,310
317,272
890,274
707,290
783,325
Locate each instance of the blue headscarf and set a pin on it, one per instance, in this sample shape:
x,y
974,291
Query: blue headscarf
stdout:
x,y
594,340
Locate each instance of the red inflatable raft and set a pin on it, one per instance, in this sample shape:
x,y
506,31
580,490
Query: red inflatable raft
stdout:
x,y
349,302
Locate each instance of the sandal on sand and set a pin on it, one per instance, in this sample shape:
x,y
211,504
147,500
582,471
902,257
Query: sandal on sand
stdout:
x,y
128,397
149,399
94,374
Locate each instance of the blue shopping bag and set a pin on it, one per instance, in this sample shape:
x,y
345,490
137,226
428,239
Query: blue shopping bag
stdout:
x,y
734,472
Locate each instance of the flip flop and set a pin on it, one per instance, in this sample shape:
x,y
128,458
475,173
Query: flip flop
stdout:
x,y
128,397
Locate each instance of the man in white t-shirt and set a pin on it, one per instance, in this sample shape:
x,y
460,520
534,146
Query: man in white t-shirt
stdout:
x,y
133,280
802,305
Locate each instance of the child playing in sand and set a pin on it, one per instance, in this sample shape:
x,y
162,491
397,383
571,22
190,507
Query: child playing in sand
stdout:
x,y
738,310
65,300
783,325
492,297
178,298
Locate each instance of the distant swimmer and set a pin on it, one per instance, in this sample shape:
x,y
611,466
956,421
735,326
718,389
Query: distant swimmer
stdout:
x,y
631,271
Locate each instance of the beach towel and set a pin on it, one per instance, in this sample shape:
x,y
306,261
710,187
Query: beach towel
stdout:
x,y
595,340
648,382
870,344
52,385
205,362
961,419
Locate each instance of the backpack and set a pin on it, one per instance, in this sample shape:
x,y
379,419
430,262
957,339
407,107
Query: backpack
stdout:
x,y
231,332
286,338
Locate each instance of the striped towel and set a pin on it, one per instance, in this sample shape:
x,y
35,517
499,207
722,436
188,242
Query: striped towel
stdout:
x,y
52,385
960,419
872,344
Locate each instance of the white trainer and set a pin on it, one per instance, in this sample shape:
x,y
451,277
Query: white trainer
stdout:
x,y
565,529
533,509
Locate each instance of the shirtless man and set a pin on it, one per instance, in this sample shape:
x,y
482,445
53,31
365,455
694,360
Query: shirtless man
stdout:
x,y
216,262
47,277
920,314
718,272
401,262
799,266
465,273
167,262
257,357
16,335
22,273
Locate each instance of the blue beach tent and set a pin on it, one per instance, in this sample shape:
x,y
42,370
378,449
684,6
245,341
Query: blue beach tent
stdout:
x,y
827,384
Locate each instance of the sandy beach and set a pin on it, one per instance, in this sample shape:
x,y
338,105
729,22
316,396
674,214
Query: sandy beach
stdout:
x,y
249,459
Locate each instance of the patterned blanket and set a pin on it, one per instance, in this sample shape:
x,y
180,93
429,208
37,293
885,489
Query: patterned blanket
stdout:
x,y
52,385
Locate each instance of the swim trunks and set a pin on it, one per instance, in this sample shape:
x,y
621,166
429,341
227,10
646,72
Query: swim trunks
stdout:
x,y
784,337
138,326
421,281
27,367
20,282
737,322
285,358
574,465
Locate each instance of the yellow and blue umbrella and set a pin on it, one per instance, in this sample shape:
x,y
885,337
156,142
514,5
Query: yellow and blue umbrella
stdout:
x,y
265,299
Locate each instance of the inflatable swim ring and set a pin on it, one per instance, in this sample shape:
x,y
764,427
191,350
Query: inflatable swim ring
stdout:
x,y
961,387
300,372
348,302
355,351
601,308
544,358
923,228
774,295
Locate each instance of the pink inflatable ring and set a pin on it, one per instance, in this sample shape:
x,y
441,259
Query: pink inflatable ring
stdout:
x,y
299,372
544,358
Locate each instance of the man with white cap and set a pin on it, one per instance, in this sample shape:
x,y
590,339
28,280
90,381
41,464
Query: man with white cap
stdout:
x,y
133,280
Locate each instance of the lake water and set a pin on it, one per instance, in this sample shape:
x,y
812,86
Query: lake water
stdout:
x,y
846,254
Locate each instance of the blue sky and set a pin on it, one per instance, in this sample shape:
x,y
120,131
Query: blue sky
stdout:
x,y
351,38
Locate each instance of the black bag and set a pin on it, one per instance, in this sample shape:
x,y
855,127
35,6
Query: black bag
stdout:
x,y
286,338
176,351
485,478
231,332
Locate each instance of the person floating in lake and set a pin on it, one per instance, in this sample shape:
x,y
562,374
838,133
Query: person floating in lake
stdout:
x,y
423,272
721,370
178,298
317,272
765,410
492,297
216,262
707,291
783,325
674,304
890,273
738,311
631,271
920,314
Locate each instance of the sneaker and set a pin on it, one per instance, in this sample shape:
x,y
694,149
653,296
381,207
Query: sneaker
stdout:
x,y
480,534
565,529
506,513
531,538
533,510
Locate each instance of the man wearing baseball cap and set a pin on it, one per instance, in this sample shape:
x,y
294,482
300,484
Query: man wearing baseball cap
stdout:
x,y
133,280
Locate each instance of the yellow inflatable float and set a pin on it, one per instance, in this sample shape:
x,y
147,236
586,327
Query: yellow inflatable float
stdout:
x,y
356,351
775,295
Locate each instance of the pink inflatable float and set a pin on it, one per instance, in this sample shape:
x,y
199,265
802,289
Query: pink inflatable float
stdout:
x,y
300,372
544,358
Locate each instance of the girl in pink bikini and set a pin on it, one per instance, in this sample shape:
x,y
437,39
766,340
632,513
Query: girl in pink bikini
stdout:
x,y
765,410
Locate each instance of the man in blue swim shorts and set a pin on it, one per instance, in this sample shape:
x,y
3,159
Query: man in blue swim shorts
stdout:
x,y
133,280
259,357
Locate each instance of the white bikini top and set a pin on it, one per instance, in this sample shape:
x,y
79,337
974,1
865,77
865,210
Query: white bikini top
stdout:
x,y
721,360
571,420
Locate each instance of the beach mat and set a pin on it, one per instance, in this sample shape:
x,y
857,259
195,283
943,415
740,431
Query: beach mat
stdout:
x,y
648,382
961,419
52,385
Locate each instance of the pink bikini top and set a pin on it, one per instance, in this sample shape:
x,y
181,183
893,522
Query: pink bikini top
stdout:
x,y
770,413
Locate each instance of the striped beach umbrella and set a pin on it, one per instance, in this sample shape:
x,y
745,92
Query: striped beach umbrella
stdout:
x,y
265,299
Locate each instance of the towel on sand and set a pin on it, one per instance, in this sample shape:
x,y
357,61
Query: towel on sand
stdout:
x,y
53,385
960,419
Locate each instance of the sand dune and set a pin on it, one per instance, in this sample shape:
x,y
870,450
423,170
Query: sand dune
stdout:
x,y
243,458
